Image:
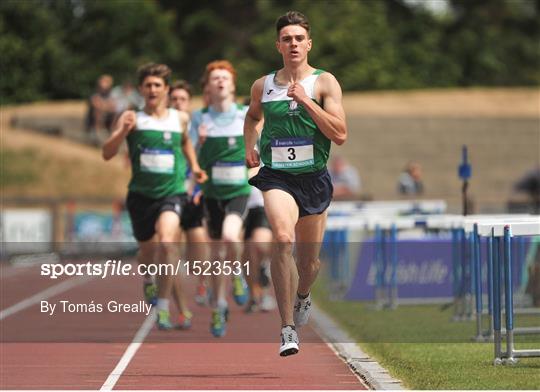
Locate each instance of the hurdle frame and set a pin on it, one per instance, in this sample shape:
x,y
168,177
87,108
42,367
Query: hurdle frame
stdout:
x,y
504,230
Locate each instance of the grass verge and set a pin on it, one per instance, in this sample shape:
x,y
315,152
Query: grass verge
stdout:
x,y
422,347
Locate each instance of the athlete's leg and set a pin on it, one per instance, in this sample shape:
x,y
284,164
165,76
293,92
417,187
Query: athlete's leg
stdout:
x,y
146,255
309,235
219,295
282,213
309,231
215,214
232,228
168,235
252,276
197,249
231,236
256,247
197,244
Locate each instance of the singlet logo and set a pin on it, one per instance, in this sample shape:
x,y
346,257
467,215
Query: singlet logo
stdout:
x,y
293,108
167,135
269,91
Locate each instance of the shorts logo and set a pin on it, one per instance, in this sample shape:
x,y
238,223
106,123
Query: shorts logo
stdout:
x,y
177,208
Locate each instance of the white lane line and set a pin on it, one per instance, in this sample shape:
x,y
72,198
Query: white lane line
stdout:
x,y
47,293
366,369
130,352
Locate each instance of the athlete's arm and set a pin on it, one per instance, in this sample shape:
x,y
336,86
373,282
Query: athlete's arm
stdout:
x,y
124,125
254,116
189,151
331,119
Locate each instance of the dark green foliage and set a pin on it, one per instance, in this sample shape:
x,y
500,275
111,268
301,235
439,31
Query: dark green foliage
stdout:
x,y
55,49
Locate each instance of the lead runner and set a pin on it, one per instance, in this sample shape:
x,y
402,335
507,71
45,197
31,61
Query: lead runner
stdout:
x,y
303,114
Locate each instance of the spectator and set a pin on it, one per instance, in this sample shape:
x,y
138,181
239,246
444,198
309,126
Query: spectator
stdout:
x,y
345,178
529,185
101,109
410,180
126,97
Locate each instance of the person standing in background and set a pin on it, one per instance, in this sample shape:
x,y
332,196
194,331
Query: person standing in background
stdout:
x,y
410,180
345,178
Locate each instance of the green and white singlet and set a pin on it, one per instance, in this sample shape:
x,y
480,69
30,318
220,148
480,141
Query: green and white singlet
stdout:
x,y
158,164
290,140
223,154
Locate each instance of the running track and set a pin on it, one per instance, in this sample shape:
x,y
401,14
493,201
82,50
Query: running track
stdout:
x,y
97,351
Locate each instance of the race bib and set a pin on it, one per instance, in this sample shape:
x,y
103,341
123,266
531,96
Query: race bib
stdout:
x,y
229,173
292,152
157,161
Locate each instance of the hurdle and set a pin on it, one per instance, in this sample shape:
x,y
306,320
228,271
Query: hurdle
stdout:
x,y
467,264
336,243
384,220
504,230
460,262
470,227
386,257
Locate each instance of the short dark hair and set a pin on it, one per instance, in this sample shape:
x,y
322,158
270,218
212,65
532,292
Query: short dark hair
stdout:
x,y
292,18
159,70
181,85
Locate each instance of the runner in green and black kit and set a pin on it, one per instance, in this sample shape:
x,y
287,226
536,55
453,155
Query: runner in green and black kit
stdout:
x,y
222,155
191,220
157,142
303,114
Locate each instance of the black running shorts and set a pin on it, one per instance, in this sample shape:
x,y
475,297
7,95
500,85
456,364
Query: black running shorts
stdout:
x,y
192,215
144,212
216,210
255,218
311,191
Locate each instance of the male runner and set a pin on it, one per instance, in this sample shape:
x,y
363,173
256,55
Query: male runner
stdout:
x,y
303,114
226,192
157,144
257,244
193,212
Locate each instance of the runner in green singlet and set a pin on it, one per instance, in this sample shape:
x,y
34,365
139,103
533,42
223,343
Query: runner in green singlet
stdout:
x,y
222,156
158,145
303,114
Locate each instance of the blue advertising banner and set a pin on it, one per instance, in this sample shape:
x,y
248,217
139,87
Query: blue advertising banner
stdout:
x,y
92,226
425,269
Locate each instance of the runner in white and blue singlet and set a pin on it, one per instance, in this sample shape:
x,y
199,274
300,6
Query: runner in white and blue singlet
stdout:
x,y
226,192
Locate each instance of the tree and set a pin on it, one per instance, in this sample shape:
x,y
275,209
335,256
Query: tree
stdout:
x,y
57,48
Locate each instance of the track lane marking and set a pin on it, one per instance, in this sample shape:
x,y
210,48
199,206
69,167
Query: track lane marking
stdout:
x,y
130,352
47,293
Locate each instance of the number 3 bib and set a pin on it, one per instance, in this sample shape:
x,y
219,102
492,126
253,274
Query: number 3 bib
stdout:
x,y
292,152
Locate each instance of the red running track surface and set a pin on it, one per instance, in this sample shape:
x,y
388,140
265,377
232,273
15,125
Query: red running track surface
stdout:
x,y
79,351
